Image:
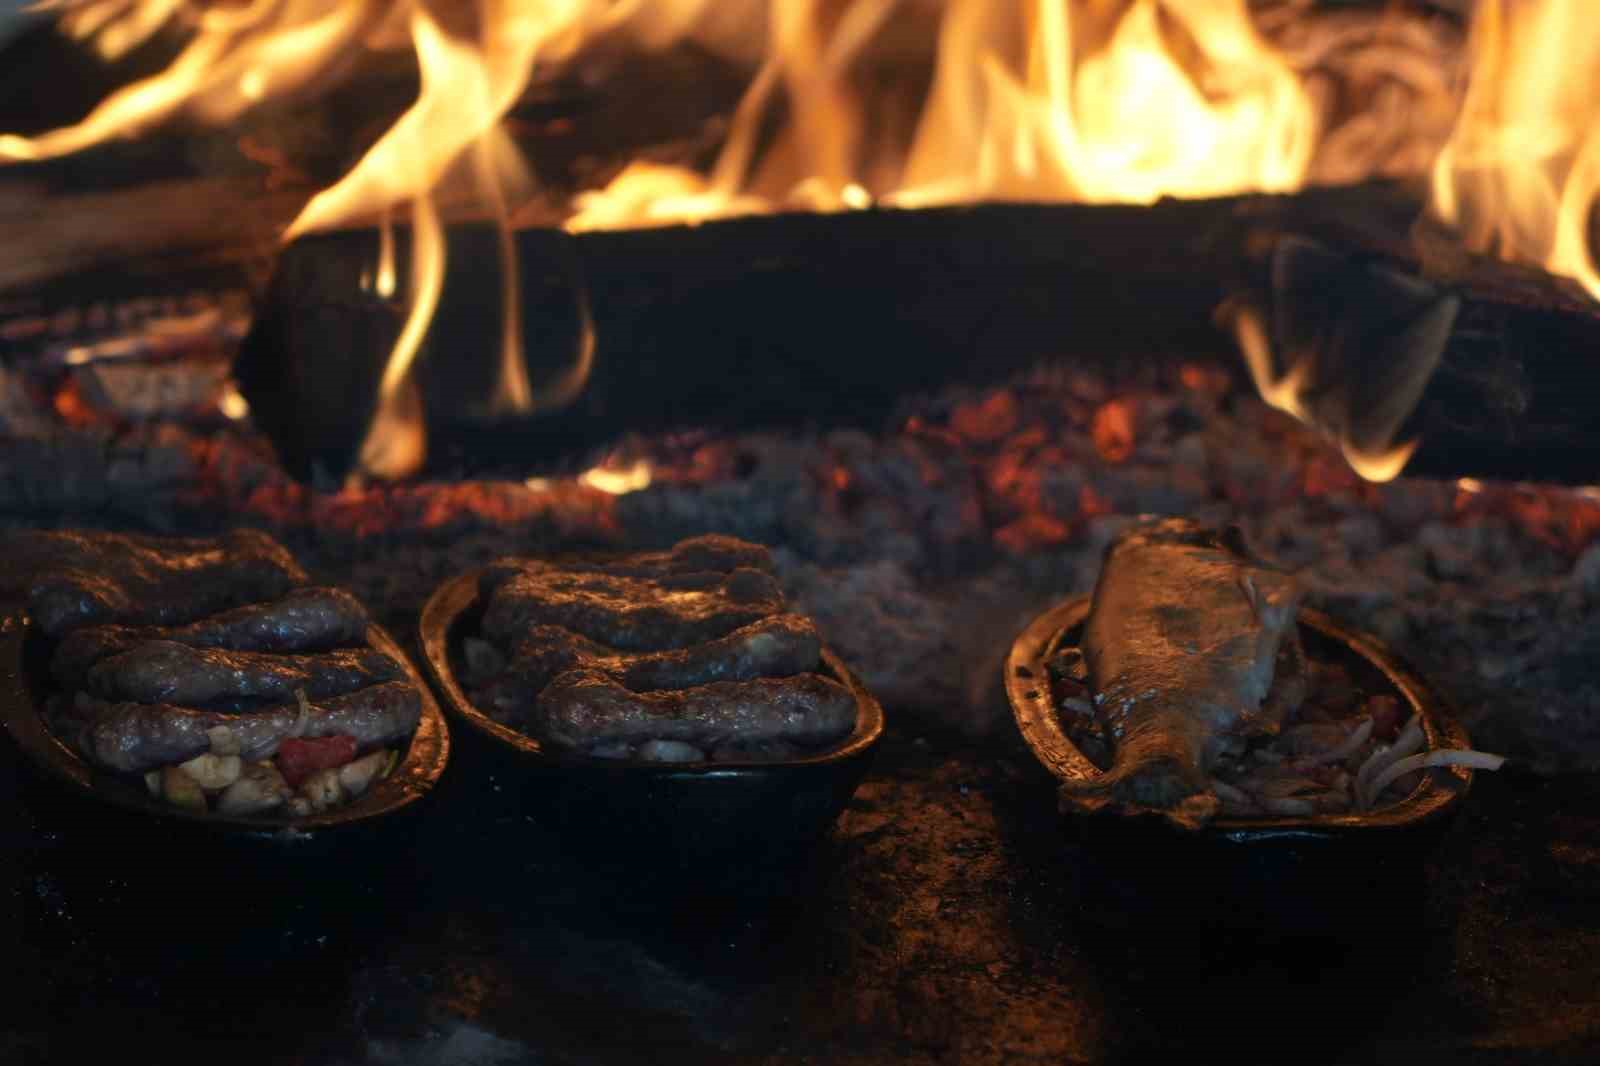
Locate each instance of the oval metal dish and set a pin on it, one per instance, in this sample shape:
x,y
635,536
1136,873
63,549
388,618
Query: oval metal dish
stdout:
x,y
1350,875
1441,790
690,806
24,682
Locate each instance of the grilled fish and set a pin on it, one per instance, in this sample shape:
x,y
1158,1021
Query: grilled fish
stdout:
x,y
1181,642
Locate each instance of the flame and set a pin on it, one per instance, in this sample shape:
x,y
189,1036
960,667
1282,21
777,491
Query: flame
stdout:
x,y
1123,120
397,442
1290,392
383,281
1520,174
1128,121
1067,100
618,480
232,404
235,59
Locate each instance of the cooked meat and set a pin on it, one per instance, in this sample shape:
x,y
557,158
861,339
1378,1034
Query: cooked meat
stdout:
x,y
85,578
779,646
586,707
1180,642
161,671
712,554
630,613
135,737
309,619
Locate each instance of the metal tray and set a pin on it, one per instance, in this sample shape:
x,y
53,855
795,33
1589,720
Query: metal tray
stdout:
x,y
689,808
1305,873
25,682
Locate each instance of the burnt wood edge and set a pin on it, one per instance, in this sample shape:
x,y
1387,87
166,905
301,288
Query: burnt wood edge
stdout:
x,y
419,769
456,599
1441,791
915,300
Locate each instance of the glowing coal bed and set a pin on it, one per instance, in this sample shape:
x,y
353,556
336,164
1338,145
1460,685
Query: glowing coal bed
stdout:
x,y
923,546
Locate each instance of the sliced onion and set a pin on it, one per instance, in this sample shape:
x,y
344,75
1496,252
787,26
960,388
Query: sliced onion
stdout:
x,y
1352,744
1285,805
302,721
1478,760
1408,742
1228,794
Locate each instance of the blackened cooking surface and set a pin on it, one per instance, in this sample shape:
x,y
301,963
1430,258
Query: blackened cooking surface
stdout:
x,y
1441,791
941,924
25,678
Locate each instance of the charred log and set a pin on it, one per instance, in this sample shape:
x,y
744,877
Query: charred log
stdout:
x,y
799,318
754,321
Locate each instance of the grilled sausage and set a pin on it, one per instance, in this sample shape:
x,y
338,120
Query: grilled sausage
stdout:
x,y
88,578
161,671
309,619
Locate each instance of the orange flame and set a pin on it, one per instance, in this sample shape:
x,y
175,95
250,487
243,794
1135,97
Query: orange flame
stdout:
x,y
1521,172
1290,391
1071,100
1123,120
235,59
1181,99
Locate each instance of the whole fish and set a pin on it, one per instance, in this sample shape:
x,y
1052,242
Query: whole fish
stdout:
x,y
1181,643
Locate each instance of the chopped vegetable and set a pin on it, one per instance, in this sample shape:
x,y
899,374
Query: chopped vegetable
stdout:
x,y
1352,744
1478,760
1232,797
181,790
322,790
213,772
300,757
260,788
356,777
1339,750
1410,740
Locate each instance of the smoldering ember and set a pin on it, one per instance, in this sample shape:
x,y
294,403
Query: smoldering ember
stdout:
x,y
932,300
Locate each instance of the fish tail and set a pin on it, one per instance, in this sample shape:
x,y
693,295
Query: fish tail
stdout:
x,y
1163,783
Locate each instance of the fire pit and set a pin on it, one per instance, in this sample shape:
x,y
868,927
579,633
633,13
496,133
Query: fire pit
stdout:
x,y
922,297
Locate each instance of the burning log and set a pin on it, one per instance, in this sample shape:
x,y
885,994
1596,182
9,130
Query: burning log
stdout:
x,y
750,321
1469,356
786,318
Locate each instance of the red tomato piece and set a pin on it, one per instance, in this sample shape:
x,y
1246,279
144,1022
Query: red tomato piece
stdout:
x,y
300,757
